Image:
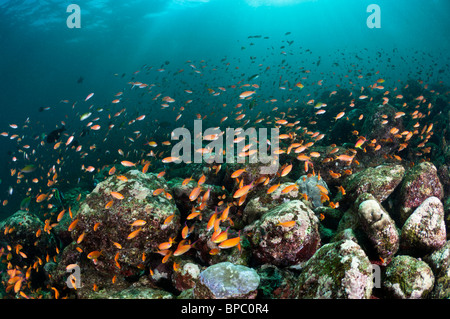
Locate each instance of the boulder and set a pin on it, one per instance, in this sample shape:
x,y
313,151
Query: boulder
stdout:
x,y
21,232
424,231
261,202
419,183
378,226
227,281
408,278
339,270
119,248
379,181
273,243
439,262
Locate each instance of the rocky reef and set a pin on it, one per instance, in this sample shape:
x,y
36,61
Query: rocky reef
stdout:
x,y
138,235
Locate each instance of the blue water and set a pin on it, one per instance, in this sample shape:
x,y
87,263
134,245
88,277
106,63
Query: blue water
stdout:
x,y
42,61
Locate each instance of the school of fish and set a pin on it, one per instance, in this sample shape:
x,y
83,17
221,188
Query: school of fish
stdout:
x,y
131,129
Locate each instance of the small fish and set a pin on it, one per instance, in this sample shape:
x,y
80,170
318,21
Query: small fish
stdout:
x,y
194,193
289,188
286,170
72,225
287,224
127,163
246,94
138,222
134,233
94,254
85,116
89,96
168,219
117,195
273,188
322,189
340,115
171,159
242,191
230,243
237,173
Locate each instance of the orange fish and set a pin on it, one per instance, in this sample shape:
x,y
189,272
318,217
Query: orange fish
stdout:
x,y
289,188
168,219
122,178
158,191
171,159
273,188
340,115
360,142
181,249
134,233
112,170
117,195
287,224
41,198
237,173
242,191
161,174
145,168
127,163
245,94
286,170
194,193
72,225
322,189
94,254
229,243
138,222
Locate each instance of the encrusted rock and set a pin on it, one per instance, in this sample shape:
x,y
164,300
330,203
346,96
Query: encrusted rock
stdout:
x,y
419,183
117,253
439,261
339,270
187,276
379,181
408,278
19,232
378,226
227,281
280,245
424,231
261,202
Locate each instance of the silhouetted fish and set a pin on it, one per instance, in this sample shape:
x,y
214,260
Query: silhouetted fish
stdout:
x,y
54,136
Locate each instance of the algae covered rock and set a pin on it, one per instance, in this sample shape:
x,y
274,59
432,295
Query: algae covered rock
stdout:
x,y
120,244
378,226
424,231
339,270
277,243
186,277
420,182
379,181
227,281
439,261
19,231
261,202
408,278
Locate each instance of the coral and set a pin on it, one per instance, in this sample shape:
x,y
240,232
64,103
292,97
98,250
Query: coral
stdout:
x,y
225,281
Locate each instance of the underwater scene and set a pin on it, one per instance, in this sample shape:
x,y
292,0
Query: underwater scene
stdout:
x,y
225,149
